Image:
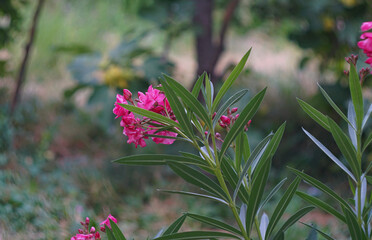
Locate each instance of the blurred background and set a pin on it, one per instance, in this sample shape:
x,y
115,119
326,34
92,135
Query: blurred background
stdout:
x,y
63,61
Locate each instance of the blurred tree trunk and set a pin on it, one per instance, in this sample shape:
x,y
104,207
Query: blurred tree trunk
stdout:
x,y
209,49
23,68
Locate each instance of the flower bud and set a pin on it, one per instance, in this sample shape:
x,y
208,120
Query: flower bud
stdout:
x,y
103,229
127,94
81,231
225,120
87,220
234,110
92,229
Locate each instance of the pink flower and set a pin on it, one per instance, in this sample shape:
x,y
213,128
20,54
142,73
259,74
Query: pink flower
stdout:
x,y
366,43
154,100
366,26
119,111
127,94
107,221
83,237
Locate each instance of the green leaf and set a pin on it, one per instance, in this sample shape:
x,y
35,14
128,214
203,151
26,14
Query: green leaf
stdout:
x,y
215,223
239,149
356,95
116,231
352,223
209,90
319,185
366,117
189,100
253,159
178,109
246,115
271,194
329,154
333,104
258,187
321,205
326,236
231,176
232,100
198,84
175,227
153,116
193,235
282,206
110,235
195,195
230,80
197,178
367,142
317,116
346,147
159,159
292,220
352,130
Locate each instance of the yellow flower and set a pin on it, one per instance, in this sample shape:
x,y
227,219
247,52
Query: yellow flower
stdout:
x,y
349,3
328,23
116,76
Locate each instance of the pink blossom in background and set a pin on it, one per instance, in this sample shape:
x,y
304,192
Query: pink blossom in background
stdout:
x,y
83,237
136,129
107,221
366,41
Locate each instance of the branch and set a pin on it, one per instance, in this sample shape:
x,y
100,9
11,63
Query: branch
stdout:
x,y
23,68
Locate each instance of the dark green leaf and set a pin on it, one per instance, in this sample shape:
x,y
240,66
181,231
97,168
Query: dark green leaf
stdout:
x,y
319,185
356,95
246,115
175,227
195,195
346,147
367,142
159,159
110,235
153,116
317,116
230,80
326,236
258,187
197,178
321,205
282,206
189,100
178,109
194,235
214,223
292,220
116,231
352,223
271,194
198,84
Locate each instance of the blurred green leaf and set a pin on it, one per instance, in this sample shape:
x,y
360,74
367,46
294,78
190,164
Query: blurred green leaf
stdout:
x,y
356,95
116,231
196,235
195,195
326,236
175,226
352,223
317,116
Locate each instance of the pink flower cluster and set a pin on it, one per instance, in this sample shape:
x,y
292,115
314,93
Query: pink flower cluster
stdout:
x,y
366,43
92,234
85,233
137,129
228,120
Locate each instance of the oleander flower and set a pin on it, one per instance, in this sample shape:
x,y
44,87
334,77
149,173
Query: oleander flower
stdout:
x,y
366,41
107,221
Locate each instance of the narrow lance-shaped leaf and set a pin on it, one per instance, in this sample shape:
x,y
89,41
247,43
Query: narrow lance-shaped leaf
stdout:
x,y
333,104
246,115
329,154
198,84
254,158
178,109
209,90
271,194
189,100
243,214
352,130
292,220
326,236
258,187
367,142
175,226
317,116
322,187
194,235
352,223
282,206
197,178
356,95
321,205
195,195
263,225
109,234
346,147
154,116
232,100
215,223
116,231
230,80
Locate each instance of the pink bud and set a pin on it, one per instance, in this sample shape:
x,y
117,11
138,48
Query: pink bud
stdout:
x,y
236,116
103,229
206,133
92,229
97,236
214,114
80,231
82,223
218,135
225,120
234,110
87,220
127,94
